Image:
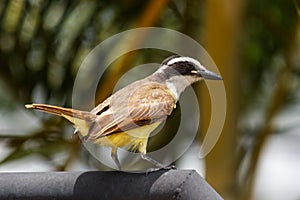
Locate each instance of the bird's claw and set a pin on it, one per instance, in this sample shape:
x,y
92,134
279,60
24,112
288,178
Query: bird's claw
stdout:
x,y
154,169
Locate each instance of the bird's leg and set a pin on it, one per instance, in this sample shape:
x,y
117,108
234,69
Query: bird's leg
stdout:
x,y
158,165
151,160
114,156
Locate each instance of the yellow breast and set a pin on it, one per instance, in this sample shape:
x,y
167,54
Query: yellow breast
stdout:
x,y
132,140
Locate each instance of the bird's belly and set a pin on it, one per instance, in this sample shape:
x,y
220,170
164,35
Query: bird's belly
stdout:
x,y
132,140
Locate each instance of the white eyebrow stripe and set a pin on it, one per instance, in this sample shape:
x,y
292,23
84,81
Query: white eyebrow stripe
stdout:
x,y
186,59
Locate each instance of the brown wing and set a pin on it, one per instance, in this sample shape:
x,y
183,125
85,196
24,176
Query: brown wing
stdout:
x,y
147,104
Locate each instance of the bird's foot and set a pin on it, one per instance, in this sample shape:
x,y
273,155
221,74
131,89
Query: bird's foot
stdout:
x,y
155,169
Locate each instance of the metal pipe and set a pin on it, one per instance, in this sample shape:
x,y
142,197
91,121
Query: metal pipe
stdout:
x,y
113,185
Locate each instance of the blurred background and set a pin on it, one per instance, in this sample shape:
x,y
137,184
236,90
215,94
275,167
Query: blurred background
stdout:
x,y
255,45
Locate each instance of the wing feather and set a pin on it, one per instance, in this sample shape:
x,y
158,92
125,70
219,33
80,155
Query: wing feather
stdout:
x,y
147,104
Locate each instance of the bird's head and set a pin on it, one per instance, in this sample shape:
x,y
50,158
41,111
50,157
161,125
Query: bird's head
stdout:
x,y
188,67
178,72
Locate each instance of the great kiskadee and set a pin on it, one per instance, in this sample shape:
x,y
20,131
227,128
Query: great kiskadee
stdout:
x,y
127,117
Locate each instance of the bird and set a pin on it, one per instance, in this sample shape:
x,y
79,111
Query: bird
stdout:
x,y
127,118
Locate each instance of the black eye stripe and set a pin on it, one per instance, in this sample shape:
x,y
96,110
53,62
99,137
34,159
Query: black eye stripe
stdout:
x,y
183,67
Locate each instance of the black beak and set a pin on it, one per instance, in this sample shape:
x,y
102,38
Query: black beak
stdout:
x,y
208,75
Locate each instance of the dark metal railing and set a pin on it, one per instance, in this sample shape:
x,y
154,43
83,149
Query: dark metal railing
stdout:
x,y
160,185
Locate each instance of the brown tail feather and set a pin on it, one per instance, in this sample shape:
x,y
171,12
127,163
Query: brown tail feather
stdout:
x,y
65,112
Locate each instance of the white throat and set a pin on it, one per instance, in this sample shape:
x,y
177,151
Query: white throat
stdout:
x,y
177,84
